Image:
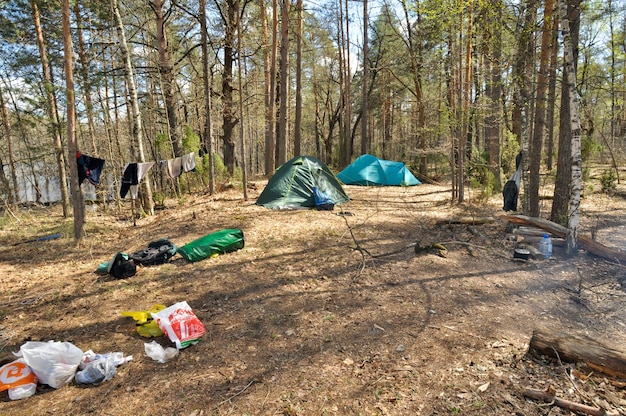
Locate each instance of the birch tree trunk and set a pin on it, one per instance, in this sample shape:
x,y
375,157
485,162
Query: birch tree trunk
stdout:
x,y
78,202
573,217
134,105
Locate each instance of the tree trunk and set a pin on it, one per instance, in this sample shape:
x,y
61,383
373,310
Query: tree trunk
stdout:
x,y
365,140
13,195
208,127
242,141
521,109
269,73
573,214
53,113
493,87
297,134
281,143
137,130
542,86
415,59
78,202
562,191
228,118
552,90
347,90
84,73
166,69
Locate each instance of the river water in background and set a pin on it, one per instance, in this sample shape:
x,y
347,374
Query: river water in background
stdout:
x,y
48,183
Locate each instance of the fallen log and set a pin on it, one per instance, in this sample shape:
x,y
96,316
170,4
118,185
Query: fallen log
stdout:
x,y
549,396
467,220
556,242
584,242
573,348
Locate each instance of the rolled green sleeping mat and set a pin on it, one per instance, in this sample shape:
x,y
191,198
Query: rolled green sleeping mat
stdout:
x,y
220,242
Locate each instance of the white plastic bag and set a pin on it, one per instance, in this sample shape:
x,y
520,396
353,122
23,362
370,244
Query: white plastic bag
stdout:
x,y
53,362
158,353
18,379
180,324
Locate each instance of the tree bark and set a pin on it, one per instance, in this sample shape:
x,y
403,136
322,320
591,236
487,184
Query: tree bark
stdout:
x,y
78,202
13,195
166,69
573,213
562,190
84,73
297,134
270,91
51,109
228,117
134,105
208,127
538,131
574,348
281,143
365,140
492,49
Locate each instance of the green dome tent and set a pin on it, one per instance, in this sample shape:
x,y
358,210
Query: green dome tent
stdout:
x,y
291,186
370,170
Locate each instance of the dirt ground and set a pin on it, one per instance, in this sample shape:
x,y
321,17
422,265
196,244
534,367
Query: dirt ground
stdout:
x,y
321,313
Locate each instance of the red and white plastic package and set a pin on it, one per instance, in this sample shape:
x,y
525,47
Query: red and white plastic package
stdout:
x,y
180,324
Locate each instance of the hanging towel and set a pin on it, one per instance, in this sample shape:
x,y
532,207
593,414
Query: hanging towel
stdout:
x,y
189,162
175,167
133,174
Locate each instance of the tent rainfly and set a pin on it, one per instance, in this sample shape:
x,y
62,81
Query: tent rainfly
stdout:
x,y
370,170
292,185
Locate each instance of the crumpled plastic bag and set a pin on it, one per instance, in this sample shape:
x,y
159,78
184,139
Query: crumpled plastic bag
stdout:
x,y
97,368
158,353
18,379
146,326
53,362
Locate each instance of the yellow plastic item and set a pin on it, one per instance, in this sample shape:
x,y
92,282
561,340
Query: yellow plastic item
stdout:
x,y
146,326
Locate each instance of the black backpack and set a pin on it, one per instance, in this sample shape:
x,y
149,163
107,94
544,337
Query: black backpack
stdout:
x,y
158,252
122,266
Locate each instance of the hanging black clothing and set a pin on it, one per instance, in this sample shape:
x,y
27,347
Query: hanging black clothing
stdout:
x,y
128,179
89,168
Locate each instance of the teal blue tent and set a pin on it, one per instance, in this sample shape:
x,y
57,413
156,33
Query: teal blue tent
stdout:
x,y
293,185
370,170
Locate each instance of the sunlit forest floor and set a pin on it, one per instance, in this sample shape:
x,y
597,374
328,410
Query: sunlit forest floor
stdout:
x,y
322,312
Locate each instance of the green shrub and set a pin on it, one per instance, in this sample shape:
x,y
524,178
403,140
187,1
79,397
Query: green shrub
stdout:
x,y
608,181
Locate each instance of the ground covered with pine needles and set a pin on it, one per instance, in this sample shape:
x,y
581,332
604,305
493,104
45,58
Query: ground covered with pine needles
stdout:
x,y
322,312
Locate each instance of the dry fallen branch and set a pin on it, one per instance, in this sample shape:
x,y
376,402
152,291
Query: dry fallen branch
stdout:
x,y
549,396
